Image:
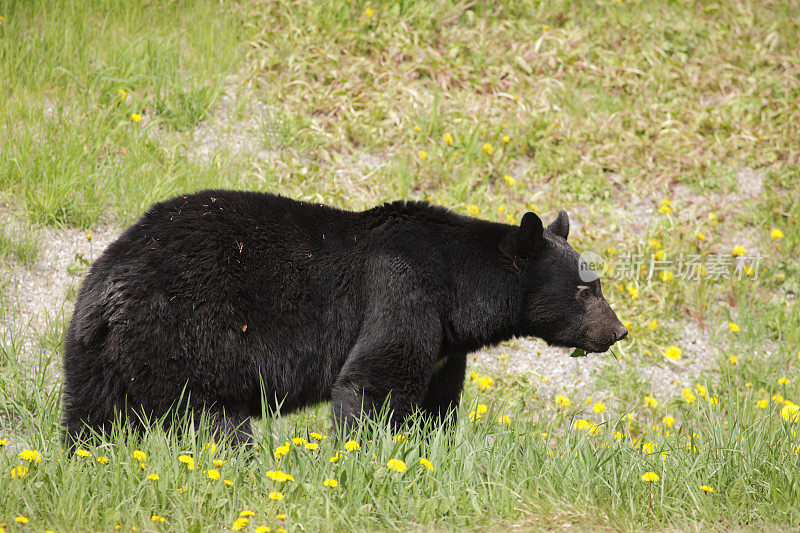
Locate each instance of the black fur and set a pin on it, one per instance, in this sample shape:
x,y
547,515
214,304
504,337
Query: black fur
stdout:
x,y
212,295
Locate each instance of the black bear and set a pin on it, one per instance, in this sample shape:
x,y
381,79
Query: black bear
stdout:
x,y
225,298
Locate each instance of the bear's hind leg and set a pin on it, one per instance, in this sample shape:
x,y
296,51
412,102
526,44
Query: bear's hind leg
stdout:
x,y
235,427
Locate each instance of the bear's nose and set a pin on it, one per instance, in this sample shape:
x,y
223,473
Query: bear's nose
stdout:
x,y
622,333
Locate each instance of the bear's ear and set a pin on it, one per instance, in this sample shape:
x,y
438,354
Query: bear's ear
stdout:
x,y
523,242
560,225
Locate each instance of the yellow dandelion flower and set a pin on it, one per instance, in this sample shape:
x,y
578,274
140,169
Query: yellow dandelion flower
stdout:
x,y
666,276
733,359
738,251
280,516
562,401
504,419
422,155
783,380
706,488
156,518
311,445
508,179
351,446
19,472
580,424
330,482
247,513
659,255
734,327
598,407
136,117
83,453
139,455
218,462
654,243
673,352
448,139
701,390
276,495
776,233
279,476
789,412
688,396
650,477
472,210
664,209
228,483
32,456
297,441
280,451
426,464
668,421
417,128
335,458
546,27
102,459
262,529
240,523
3,442
213,474
648,448
153,477
368,12
506,139
188,460
21,520
762,403
397,465
488,148
651,402
700,236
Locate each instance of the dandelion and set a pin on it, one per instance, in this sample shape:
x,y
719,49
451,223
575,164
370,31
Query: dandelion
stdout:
x,y
417,128
83,453
89,237
733,359
330,482
228,483
738,251
368,12
668,421
562,401
659,255
789,412
650,477
218,462
654,243
156,518
762,403
136,117
701,390
706,488
546,27
633,291
776,233
712,218
423,155
688,396
485,383
472,210
397,465
280,516
648,448
580,424
280,451
213,474
262,529
666,276
700,236
651,402
598,407
32,456
240,523
21,520
673,352
153,477
448,139
351,446
139,455
276,495
783,380
311,445
426,464
508,179
279,475
188,460
488,148
506,139
734,327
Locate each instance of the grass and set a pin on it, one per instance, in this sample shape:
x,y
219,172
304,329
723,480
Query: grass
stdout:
x,y
649,122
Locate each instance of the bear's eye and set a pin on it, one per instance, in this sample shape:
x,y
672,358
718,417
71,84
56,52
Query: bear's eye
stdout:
x,y
584,291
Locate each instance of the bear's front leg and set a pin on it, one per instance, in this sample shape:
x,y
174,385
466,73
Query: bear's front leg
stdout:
x,y
444,389
393,359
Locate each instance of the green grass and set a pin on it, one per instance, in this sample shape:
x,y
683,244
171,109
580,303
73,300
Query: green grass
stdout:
x,y
601,108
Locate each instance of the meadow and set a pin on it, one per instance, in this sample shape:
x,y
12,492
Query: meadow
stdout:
x,y
670,131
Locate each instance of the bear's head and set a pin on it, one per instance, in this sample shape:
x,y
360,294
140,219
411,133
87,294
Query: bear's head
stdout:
x,y
564,304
